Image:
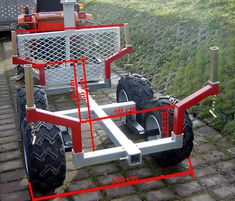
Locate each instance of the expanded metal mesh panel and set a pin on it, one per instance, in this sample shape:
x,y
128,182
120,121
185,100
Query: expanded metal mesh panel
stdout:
x,y
10,9
94,44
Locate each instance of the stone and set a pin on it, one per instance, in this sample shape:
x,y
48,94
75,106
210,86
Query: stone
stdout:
x,y
225,191
160,195
140,173
188,189
104,170
9,147
12,175
10,155
205,171
90,196
146,186
201,197
13,186
213,180
130,198
10,165
8,139
7,127
81,184
77,175
119,191
21,196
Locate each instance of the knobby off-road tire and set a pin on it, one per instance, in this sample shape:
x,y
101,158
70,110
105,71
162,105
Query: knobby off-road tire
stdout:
x,y
174,156
135,88
44,160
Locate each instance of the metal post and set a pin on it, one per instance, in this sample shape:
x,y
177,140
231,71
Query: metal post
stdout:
x,y
29,86
214,64
68,8
127,34
14,48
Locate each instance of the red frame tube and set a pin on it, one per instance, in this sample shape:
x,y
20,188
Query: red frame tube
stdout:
x,y
109,60
36,114
183,105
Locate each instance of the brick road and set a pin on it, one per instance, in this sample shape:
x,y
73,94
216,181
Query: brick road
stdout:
x,y
214,165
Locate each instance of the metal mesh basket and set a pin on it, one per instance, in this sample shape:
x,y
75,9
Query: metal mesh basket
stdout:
x,y
95,44
9,11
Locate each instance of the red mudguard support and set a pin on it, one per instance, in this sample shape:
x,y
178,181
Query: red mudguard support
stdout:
x,y
22,61
109,60
34,114
183,105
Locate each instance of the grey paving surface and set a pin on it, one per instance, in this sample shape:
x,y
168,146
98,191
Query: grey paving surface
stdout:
x,y
214,165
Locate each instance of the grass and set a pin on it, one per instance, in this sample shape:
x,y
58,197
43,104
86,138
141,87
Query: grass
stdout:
x,y
171,39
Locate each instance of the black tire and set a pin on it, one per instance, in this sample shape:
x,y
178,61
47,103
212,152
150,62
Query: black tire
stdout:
x,y
174,156
44,160
137,88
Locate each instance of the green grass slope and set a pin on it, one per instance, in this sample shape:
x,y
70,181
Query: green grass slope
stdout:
x,y
171,39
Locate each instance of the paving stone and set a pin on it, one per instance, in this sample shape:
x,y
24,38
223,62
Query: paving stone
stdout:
x,y
10,155
140,173
225,191
213,156
7,116
187,189
160,195
69,166
7,133
205,171
13,186
10,165
7,121
196,161
9,146
107,180
81,184
16,196
146,186
5,106
91,196
12,175
180,180
209,132
77,175
119,191
8,139
130,198
7,127
204,148
197,123
226,165
125,166
213,180
60,199
104,170
201,197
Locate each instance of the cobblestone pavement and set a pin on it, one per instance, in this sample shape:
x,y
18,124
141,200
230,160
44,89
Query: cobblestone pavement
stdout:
x,y
214,165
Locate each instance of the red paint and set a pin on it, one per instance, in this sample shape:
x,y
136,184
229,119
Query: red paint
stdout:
x,y
121,179
47,116
59,28
109,60
129,113
183,105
